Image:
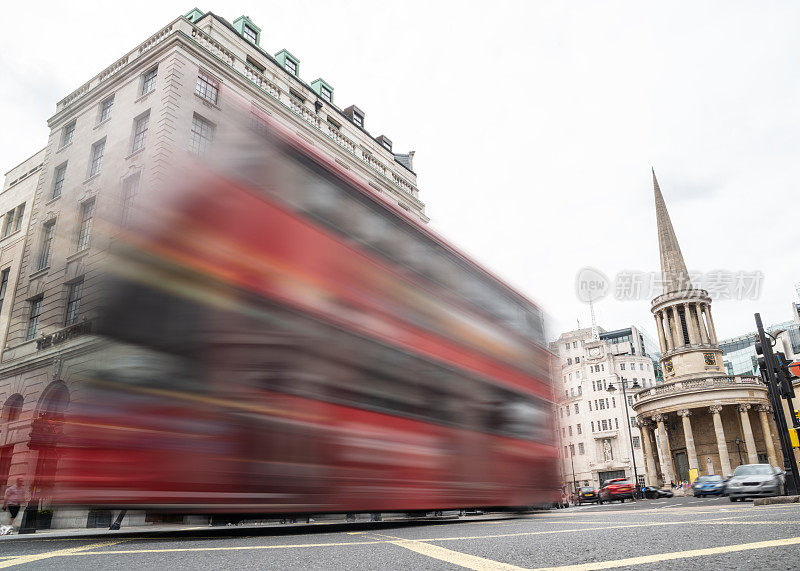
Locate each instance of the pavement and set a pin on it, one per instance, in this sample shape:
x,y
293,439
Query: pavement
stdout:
x,y
675,533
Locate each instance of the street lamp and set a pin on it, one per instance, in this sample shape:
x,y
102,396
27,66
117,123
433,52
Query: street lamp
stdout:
x,y
572,461
611,388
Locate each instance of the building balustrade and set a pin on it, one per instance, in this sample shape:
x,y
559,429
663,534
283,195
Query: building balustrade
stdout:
x,y
268,86
695,385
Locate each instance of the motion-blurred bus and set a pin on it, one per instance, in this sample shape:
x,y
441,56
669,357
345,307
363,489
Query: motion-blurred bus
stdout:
x,y
274,337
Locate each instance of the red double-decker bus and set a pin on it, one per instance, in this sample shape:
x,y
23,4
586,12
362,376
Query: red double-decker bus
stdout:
x,y
275,338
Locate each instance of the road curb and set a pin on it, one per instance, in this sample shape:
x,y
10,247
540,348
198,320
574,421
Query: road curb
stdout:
x,y
776,500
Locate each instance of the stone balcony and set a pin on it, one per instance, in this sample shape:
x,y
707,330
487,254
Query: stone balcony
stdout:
x,y
603,434
693,392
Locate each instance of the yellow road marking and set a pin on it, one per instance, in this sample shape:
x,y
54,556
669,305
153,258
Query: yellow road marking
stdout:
x,y
58,553
449,556
645,559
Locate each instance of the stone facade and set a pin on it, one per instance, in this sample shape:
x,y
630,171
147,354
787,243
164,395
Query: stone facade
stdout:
x,y
114,139
700,421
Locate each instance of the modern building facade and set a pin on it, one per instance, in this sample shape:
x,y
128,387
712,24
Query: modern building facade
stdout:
x,y
112,141
597,432
701,420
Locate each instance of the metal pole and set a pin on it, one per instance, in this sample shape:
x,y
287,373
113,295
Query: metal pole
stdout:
x,y
630,437
767,376
572,461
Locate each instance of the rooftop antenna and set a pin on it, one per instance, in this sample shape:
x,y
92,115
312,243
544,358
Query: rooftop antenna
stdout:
x,y
595,335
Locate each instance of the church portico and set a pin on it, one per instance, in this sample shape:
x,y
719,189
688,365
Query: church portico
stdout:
x,y
700,421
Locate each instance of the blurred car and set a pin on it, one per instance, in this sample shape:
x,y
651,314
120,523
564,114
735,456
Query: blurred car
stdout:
x,y
713,484
652,493
616,489
587,495
756,480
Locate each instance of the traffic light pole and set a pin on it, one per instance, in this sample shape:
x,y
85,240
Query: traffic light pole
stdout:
x,y
766,365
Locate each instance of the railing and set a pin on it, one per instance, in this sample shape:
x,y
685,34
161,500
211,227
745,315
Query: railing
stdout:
x,y
297,106
693,385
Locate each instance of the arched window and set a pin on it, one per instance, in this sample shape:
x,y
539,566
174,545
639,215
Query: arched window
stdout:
x,y
12,408
54,401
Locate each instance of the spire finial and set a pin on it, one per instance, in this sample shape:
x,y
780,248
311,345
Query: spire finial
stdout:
x,y
673,268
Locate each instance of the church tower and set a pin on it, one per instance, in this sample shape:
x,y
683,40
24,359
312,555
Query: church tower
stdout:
x,y
682,312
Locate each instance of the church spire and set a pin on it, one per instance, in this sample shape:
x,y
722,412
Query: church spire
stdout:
x,y
673,269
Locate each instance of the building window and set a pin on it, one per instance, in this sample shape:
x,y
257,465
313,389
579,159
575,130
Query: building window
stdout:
x,y
577,360
622,366
616,423
105,109
572,450
250,34
207,87
569,361
73,301
33,319
8,222
581,449
290,66
140,132
85,231
96,160
570,430
576,408
567,346
633,423
563,432
636,443
590,405
358,119
201,136
574,344
630,400
325,93
47,241
68,134
592,426
58,183
3,285
580,390
568,411
130,188
605,424
578,427
613,402
20,213
149,81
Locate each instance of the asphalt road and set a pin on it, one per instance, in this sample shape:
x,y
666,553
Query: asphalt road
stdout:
x,y
677,533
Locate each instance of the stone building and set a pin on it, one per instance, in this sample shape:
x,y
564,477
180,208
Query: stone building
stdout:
x,y
111,141
701,420
592,416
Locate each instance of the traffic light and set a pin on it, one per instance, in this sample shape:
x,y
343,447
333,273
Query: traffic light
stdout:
x,y
783,375
762,360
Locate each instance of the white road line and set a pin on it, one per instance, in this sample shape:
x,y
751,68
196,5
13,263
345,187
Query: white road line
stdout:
x,y
57,553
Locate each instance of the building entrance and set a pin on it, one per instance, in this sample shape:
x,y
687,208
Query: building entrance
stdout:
x,y
610,475
682,466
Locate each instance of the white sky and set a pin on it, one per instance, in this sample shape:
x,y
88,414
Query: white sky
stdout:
x,y
535,123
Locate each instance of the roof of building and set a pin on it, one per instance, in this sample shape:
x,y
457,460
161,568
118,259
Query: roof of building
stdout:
x,y
673,268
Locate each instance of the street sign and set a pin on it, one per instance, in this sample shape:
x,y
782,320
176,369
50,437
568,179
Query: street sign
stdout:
x,y
795,368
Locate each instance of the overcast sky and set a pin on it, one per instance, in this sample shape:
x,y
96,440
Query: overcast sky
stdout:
x,y
535,124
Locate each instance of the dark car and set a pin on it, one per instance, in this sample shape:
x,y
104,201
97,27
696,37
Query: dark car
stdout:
x,y
713,484
587,495
617,489
755,480
653,493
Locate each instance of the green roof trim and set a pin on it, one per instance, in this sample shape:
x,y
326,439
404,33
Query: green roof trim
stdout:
x,y
318,84
284,55
242,21
194,14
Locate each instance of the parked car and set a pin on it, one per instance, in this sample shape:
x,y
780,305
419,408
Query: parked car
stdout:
x,y
587,495
617,489
756,480
651,493
713,484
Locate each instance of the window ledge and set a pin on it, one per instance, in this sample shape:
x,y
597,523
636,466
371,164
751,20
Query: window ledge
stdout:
x,y
101,123
77,255
63,147
134,153
10,234
207,103
91,178
52,200
143,96
40,272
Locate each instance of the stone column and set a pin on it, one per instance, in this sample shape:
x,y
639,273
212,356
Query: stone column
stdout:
x,y
677,330
694,336
763,413
712,331
660,329
750,442
651,475
698,310
667,330
722,445
664,453
688,436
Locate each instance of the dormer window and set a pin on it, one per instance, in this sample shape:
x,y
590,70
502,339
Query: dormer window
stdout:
x,y
248,29
250,34
325,93
290,66
358,119
356,115
288,62
385,142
